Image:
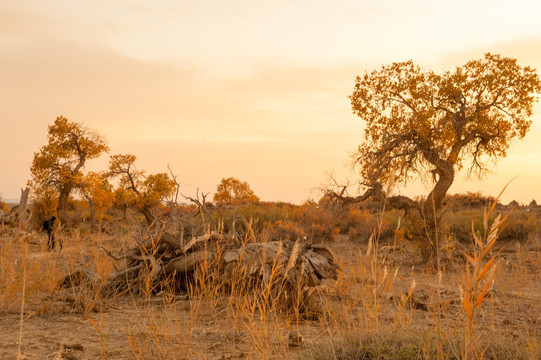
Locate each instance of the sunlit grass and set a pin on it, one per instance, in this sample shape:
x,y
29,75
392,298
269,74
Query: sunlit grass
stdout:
x,y
383,306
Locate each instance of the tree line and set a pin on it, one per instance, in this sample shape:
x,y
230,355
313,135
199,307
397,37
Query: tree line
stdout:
x,y
419,124
58,173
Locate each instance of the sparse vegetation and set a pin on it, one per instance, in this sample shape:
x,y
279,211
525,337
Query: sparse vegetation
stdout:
x,y
144,276
383,305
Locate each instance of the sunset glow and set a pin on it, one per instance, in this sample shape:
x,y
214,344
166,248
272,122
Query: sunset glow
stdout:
x,y
256,90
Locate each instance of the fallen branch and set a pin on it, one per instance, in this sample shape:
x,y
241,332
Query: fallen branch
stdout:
x,y
287,271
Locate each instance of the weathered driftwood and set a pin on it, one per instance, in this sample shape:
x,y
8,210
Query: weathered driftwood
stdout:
x,y
298,264
288,270
19,214
187,262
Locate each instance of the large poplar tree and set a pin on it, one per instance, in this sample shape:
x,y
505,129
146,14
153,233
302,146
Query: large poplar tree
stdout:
x,y
57,168
420,123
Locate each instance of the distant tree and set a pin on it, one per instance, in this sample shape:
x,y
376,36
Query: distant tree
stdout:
x,y
420,123
99,194
148,191
124,199
234,191
58,166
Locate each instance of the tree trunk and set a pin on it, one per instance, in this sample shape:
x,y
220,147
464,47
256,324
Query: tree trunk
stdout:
x,y
92,213
66,190
431,206
63,203
19,214
147,213
23,203
24,214
434,199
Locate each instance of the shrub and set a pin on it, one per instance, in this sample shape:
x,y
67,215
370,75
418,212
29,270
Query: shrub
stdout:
x,y
519,226
283,230
467,200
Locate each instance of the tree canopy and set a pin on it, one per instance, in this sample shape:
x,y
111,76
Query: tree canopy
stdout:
x,y
233,191
421,123
148,190
99,194
57,167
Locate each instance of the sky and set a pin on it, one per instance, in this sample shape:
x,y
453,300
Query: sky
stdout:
x,y
256,90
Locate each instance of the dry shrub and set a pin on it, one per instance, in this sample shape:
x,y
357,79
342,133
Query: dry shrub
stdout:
x,y
360,223
283,229
280,220
4,208
520,225
316,221
458,223
467,200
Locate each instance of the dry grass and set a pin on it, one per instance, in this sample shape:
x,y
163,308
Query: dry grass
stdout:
x,y
383,306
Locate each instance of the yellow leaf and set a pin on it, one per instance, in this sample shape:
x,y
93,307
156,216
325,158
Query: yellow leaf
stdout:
x,y
486,268
467,306
482,295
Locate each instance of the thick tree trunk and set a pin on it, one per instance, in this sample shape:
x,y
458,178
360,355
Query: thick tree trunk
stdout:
x,y
147,213
63,203
66,190
436,196
431,207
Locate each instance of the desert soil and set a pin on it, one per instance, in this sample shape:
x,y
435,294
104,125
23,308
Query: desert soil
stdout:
x,y
54,329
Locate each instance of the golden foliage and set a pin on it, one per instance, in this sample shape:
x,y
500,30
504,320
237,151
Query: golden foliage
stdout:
x,y
233,191
418,121
57,167
97,190
45,202
60,161
149,190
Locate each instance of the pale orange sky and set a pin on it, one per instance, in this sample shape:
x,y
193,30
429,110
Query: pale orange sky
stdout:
x,y
251,89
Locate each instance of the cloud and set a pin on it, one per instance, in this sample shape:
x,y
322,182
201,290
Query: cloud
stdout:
x,y
248,89
281,118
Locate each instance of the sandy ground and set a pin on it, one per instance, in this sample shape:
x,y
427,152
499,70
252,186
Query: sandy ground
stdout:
x,y
130,327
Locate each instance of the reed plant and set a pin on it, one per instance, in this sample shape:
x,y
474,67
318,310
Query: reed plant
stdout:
x,y
479,277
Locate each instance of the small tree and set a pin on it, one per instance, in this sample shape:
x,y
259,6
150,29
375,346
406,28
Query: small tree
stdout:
x,y
57,167
420,123
99,194
233,191
149,190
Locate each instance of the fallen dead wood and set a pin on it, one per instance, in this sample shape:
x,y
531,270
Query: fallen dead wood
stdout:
x,y
19,214
188,262
288,273
285,270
